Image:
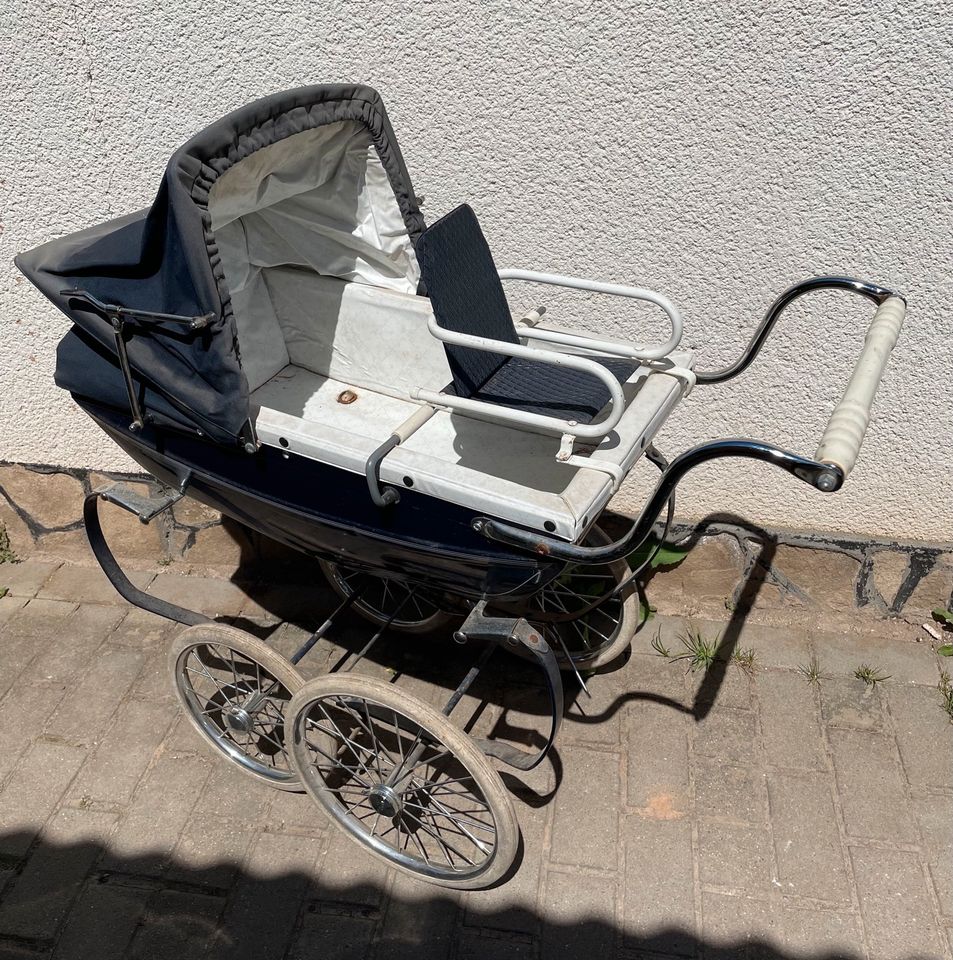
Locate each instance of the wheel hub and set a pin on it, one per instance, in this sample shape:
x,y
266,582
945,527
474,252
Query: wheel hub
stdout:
x,y
238,720
384,800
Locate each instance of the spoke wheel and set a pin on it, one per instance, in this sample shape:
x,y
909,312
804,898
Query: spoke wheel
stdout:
x,y
381,596
599,636
234,690
402,781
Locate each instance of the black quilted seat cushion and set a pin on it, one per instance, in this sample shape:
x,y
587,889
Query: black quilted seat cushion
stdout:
x,y
552,391
467,296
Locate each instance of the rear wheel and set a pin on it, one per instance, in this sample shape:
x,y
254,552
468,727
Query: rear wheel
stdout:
x,y
234,689
600,635
381,597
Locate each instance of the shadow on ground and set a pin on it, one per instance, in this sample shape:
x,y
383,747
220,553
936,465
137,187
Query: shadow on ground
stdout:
x,y
78,901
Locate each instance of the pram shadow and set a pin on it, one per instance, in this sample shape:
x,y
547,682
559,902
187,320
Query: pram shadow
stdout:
x,y
508,691
84,899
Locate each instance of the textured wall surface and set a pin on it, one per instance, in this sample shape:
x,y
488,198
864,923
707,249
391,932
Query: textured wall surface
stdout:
x,y
717,152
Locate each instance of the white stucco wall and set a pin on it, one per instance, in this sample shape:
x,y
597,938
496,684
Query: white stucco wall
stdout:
x,y
717,152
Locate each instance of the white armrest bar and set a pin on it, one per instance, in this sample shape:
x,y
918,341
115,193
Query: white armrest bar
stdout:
x,y
845,430
519,417
638,351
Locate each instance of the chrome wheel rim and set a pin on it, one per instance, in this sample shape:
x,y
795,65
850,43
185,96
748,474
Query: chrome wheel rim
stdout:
x,y
381,597
239,706
395,786
583,638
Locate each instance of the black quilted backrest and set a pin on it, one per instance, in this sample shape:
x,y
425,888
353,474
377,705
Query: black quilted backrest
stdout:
x,y
466,294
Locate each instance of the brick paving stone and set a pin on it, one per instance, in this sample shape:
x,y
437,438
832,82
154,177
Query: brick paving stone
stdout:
x,y
740,928
924,735
728,686
586,821
25,578
871,789
260,918
790,721
733,793
350,875
475,947
935,816
33,790
52,877
10,606
728,734
512,906
579,916
204,594
139,629
210,850
333,936
176,925
851,703
821,933
419,920
86,936
904,661
233,795
895,904
153,822
657,767
84,712
658,898
155,680
736,857
807,841
23,712
776,647
88,584
67,652
124,753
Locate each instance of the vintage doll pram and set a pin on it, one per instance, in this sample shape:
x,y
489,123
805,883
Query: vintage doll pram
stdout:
x,y
281,338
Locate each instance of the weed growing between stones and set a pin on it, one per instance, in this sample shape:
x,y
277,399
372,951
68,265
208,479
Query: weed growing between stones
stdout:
x,y
7,554
870,675
811,671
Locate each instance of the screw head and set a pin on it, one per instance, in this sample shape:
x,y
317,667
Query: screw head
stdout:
x,y
826,482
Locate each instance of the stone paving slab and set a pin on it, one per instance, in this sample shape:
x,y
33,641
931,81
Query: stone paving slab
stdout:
x,y
685,815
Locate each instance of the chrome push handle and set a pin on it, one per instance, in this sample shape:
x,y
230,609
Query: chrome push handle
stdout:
x,y
845,430
835,457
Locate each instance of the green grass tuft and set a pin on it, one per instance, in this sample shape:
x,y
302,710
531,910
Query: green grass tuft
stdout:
x,y
659,646
870,675
699,650
7,554
744,659
945,686
811,671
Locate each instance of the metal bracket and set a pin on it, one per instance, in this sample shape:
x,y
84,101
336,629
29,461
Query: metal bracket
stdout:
x,y
146,507
506,630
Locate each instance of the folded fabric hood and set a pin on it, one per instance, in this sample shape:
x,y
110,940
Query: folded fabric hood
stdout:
x,y
310,178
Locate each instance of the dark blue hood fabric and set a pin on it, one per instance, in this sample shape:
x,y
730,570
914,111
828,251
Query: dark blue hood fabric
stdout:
x,y
165,259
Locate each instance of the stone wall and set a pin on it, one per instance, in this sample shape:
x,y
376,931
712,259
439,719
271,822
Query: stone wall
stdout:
x,y
773,576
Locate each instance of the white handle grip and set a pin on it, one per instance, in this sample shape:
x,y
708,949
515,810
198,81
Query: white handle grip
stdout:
x,y
845,430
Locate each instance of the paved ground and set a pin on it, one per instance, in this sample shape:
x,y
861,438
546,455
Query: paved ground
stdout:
x,y
684,815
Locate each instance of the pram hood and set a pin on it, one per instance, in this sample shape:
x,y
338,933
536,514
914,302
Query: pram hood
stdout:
x,y
316,195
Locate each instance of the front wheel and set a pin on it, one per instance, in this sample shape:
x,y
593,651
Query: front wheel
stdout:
x,y
402,781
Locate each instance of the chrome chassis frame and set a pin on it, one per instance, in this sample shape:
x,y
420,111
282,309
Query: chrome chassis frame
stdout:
x,y
488,630
825,477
